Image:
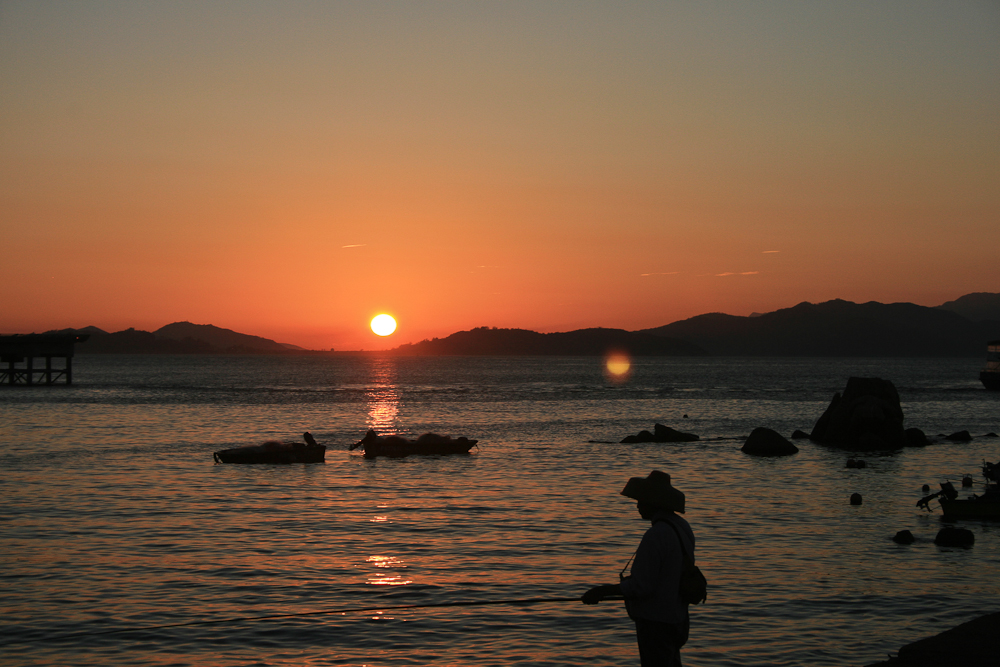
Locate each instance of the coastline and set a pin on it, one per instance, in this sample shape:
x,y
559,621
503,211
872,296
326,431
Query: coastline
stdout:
x,y
971,644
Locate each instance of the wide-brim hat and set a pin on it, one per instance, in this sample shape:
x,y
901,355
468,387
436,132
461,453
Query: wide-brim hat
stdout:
x,y
656,490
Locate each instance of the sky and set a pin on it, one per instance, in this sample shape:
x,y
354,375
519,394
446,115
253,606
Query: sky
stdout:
x,y
291,169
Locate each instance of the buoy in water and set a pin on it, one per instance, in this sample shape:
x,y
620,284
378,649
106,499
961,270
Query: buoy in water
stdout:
x,y
855,498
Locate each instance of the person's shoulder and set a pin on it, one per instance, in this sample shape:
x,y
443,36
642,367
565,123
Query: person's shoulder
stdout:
x,y
678,522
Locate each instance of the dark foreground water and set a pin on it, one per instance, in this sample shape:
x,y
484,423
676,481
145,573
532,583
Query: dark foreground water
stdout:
x,y
114,515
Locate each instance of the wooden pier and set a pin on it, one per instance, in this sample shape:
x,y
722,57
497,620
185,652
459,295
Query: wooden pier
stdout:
x,y
18,354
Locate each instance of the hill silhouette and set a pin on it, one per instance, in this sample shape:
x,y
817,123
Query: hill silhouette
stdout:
x,y
976,307
177,338
583,342
838,329
831,329
225,339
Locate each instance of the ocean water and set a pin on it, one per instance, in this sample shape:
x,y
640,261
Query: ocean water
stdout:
x,y
116,518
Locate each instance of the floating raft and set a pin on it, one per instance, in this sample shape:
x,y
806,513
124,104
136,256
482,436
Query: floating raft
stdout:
x,y
394,446
273,451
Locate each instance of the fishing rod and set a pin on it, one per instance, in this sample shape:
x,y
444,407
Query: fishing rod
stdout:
x,y
321,612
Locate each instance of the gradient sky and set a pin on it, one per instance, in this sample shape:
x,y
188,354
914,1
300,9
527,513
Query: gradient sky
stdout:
x,y
290,169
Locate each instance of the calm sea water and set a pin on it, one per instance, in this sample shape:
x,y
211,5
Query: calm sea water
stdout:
x,y
114,515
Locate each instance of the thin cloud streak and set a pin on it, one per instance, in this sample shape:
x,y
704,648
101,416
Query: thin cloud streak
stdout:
x,y
354,245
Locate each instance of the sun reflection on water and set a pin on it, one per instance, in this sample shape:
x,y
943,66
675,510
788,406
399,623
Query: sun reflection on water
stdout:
x,y
382,396
387,578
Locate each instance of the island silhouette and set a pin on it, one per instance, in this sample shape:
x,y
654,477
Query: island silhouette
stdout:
x,y
836,328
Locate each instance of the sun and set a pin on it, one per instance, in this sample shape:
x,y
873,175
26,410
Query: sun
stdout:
x,y
383,324
617,366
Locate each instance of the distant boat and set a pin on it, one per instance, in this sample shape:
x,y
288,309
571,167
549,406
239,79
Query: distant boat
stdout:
x,y
990,375
394,446
275,452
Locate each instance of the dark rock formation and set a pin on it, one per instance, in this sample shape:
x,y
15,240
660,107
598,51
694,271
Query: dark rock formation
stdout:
x,y
766,442
799,435
971,644
661,433
855,498
955,537
991,434
903,537
867,417
915,438
959,436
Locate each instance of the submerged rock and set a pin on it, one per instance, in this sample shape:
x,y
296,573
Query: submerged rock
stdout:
x,y
866,417
767,442
856,499
661,433
959,436
904,537
799,435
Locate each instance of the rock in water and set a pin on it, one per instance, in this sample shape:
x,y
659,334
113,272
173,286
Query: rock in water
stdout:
x,y
661,433
866,417
955,537
916,438
903,537
766,442
666,434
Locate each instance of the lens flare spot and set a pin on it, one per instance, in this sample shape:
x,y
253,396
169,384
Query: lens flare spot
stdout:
x,y
617,366
383,324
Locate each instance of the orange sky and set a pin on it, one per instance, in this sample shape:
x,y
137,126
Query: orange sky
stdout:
x,y
292,169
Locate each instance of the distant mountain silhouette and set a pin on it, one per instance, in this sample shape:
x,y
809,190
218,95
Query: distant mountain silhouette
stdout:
x,y
976,307
831,329
584,342
177,338
837,329
225,339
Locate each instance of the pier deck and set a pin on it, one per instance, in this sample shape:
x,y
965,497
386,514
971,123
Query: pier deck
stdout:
x,y
19,353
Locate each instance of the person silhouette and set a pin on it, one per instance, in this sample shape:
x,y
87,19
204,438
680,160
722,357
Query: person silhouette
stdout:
x,y
651,588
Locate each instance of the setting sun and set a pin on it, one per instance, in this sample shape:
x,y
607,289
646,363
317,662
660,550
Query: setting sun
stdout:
x,y
383,324
617,366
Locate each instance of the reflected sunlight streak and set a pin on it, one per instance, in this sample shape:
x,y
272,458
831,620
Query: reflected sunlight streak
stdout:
x,y
386,579
383,397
